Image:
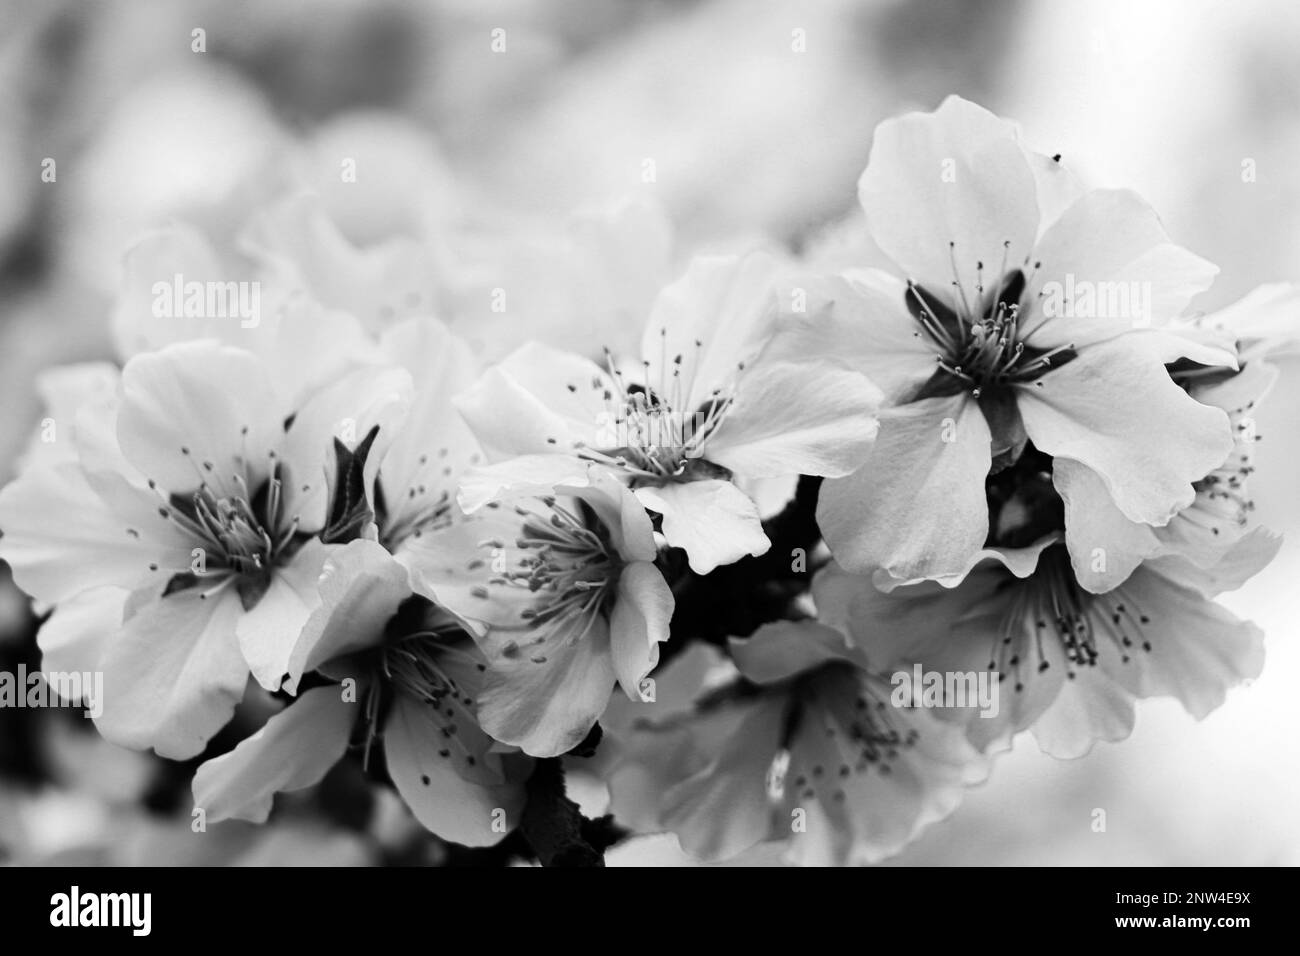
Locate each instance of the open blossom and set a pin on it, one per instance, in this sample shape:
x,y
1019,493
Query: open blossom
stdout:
x,y
709,400
1003,329
1079,609
987,441
1105,546
184,540
325,307
1071,662
403,676
808,749
565,599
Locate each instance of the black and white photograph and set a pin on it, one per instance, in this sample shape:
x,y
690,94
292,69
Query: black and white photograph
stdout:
x,y
662,434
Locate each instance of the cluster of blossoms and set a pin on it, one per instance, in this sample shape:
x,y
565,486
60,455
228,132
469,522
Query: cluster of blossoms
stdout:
x,y
981,461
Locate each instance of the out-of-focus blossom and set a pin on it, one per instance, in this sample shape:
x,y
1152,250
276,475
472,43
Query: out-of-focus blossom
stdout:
x,y
1070,662
808,748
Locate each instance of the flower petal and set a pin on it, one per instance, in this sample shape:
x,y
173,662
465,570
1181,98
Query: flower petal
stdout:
x,y
1237,564
714,521
1115,409
293,750
1198,648
1021,562
723,808
860,321
198,412
638,624
1108,236
621,511
522,477
863,804
454,568
947,190
781,650
146,317
1058,188
716,317
1265,321
1104,545
61,537
1089,708
306,346
72,638
797,420
269,631
537,401
903,626
1026,690
359,589
303,249
427,456
173,674
916,508
64,391
544,698
463,811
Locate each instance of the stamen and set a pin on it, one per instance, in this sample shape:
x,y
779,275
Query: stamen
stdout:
x,y
1085,625
569,562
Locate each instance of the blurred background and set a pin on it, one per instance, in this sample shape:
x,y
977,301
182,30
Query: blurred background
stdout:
x,y
747,121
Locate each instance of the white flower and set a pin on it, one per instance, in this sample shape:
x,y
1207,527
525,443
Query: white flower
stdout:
x,y
302,250
302,330
1105,546
1000,336
808,749
565,598
200,490
1071,663
404,673
1264,323
715,395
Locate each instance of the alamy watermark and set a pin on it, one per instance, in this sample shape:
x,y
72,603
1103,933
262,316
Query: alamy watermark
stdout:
x,y
130,910
53,689
1083,299
179,299
942,689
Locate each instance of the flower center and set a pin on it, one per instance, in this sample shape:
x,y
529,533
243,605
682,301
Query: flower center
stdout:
x,y
413,665
568,561
980,339
853,714
649,428
240,532
1050,605
423,653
